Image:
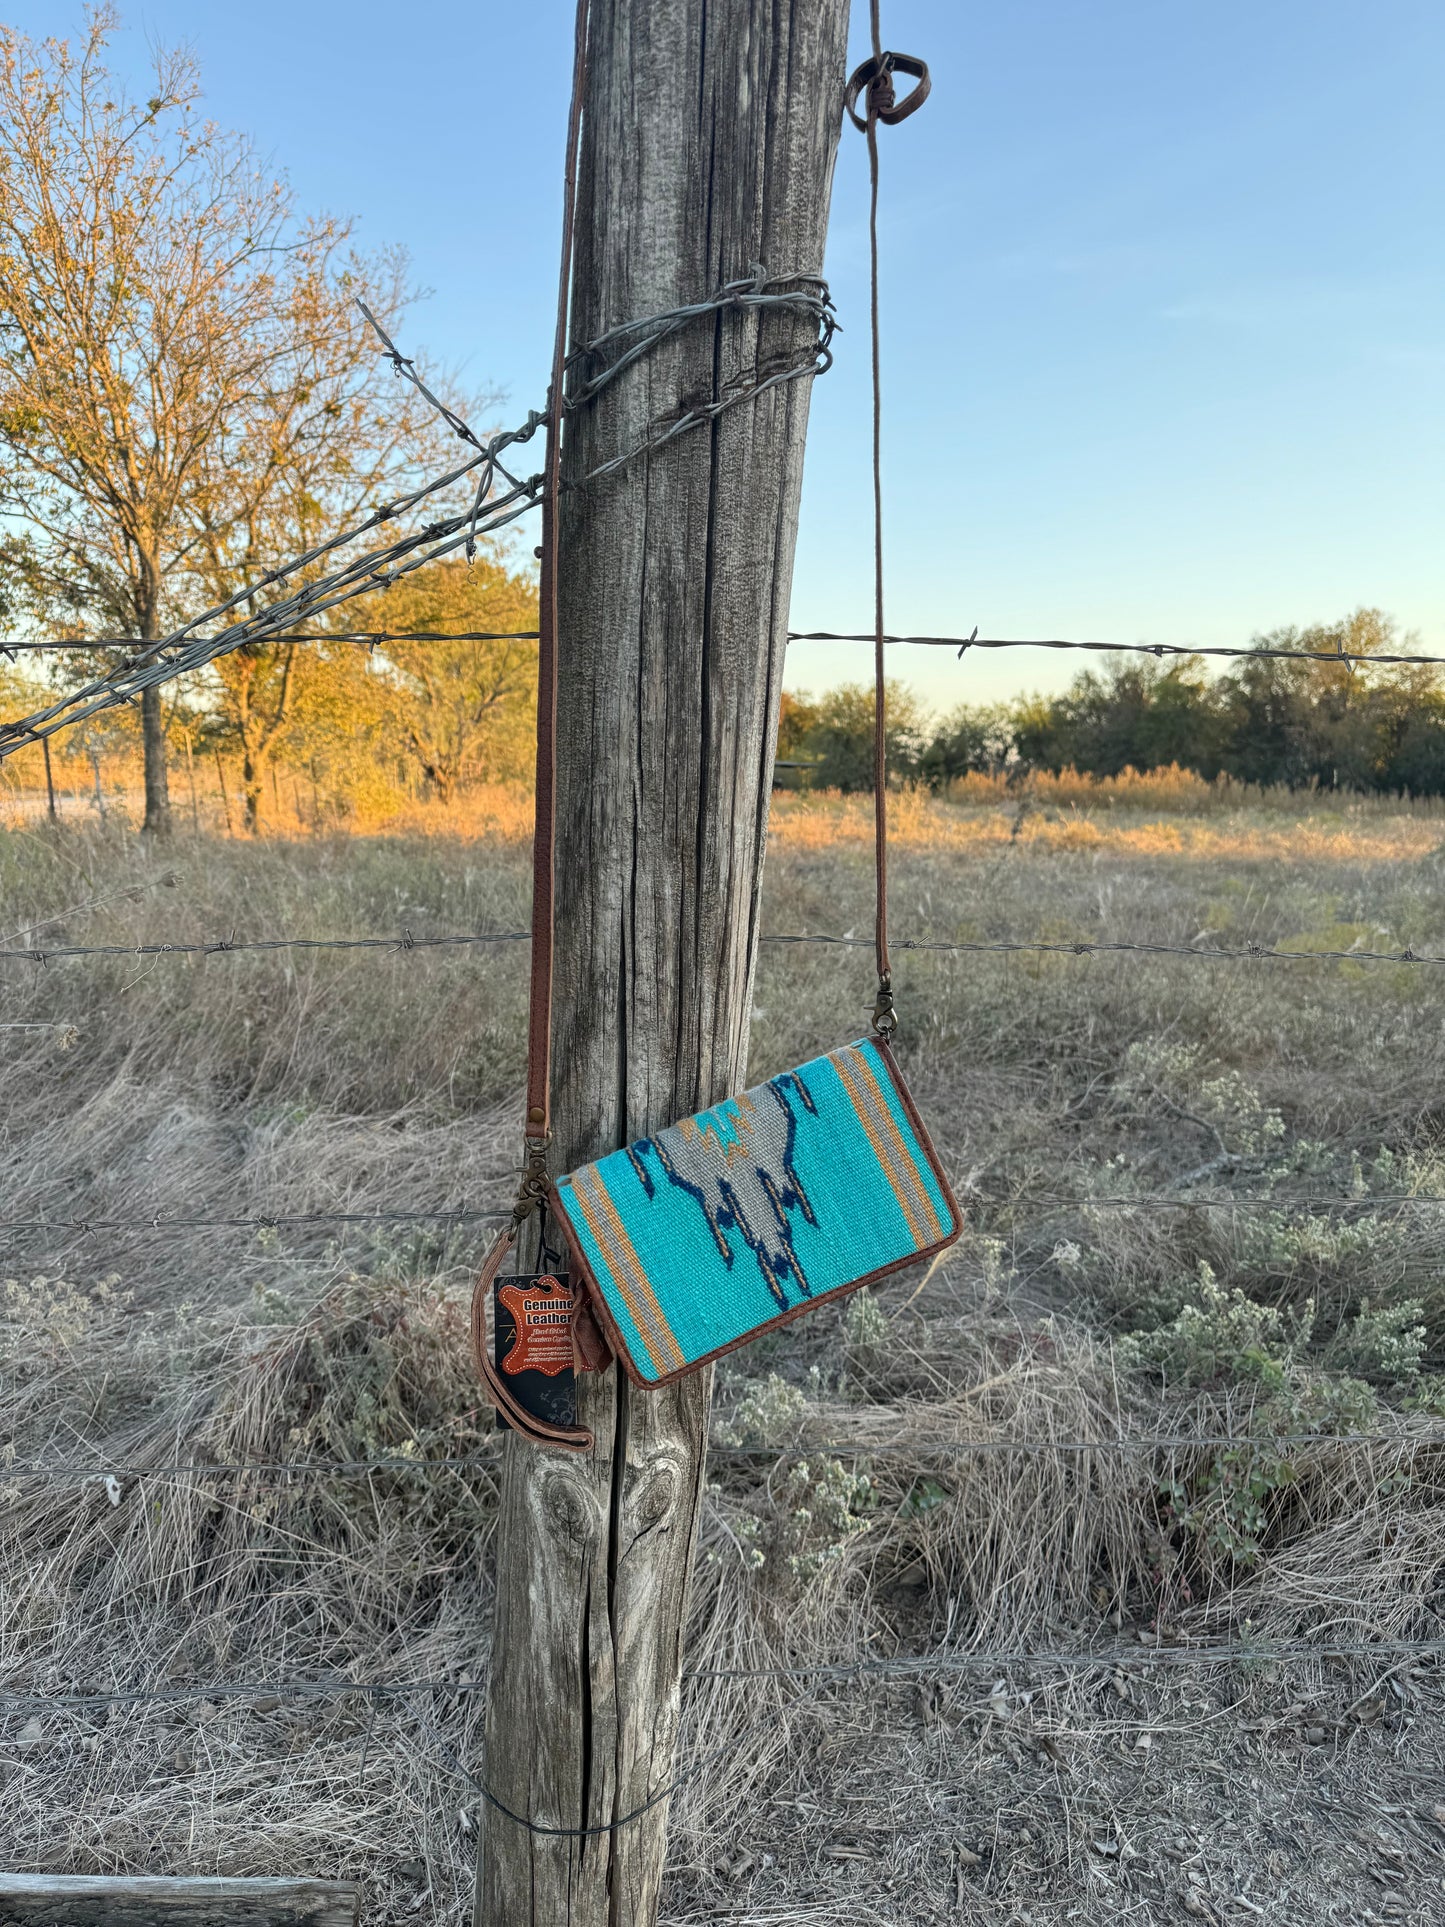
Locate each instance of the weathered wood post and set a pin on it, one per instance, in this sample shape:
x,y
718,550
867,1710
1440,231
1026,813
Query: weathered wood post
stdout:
x,y
708,144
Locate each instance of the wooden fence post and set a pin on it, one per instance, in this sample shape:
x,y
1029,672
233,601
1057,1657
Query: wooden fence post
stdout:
x,y
710,132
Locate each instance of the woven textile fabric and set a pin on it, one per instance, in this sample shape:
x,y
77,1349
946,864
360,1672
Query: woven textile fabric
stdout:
x,y
701,1235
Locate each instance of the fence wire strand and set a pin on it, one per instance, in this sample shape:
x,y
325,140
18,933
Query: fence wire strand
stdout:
x,y
924,1452
999,946
1099,946
976,1202
937,1666
259,1220
225,946
374,638
962,644
369,638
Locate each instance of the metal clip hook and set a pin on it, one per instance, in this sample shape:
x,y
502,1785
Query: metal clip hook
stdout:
x,y
536,1185
885,1017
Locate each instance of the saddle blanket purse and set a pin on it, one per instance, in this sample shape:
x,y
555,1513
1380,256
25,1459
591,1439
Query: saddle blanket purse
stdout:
x,y
701,1237
697,1239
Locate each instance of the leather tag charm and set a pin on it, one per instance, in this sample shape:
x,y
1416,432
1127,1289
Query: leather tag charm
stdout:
x,y
541,1313
532,1322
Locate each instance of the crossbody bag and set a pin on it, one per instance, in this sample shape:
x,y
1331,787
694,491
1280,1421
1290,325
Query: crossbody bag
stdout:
x,y
700,1237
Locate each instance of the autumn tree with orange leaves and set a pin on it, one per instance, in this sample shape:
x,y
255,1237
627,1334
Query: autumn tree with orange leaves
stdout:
x,y
188,394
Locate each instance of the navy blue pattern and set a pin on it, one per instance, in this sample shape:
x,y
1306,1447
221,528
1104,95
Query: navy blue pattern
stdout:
x,y
744,1182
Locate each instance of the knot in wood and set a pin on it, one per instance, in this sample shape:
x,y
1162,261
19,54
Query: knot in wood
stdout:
x,y
655,1496
570,1509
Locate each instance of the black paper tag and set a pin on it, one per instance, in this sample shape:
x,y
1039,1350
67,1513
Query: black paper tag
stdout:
x,y
532,1324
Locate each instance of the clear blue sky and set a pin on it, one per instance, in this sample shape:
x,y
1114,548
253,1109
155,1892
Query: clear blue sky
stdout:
x,y
1164,294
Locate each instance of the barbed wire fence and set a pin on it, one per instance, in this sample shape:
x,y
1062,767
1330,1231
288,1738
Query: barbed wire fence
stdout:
x,y
1429,1440
499,498
1000,946
1430,1437
904,1666
377,638
312,588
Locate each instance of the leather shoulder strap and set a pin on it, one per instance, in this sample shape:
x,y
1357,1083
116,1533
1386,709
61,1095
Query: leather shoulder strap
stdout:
x,y
544,837
873,82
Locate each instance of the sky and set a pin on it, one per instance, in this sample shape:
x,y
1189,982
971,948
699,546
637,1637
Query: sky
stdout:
x,y
1163,294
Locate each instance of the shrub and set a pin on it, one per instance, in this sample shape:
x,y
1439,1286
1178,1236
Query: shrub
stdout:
x,y
1222,1335
1388,1342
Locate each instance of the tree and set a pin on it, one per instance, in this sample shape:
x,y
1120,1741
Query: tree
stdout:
x,y
969,738
21,692
462,710
1308,722
1282,716
1139,715
797,715
273,699
186,387
838,736
1410,730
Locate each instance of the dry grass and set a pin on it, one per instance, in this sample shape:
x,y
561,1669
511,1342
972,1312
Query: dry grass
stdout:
x,y
281,1083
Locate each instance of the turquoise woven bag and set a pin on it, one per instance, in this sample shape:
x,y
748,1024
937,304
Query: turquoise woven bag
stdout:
x,y
697,1239
700,1237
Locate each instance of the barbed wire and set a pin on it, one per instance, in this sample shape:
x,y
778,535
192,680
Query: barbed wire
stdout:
x,y
104,1471
1117,1659
1170,1201
806,294
961,644
369,638
1098,946
699,1764
489,466
258,1221
223,946
1037,1447
374,638
172,655
186,650
1003,946
974,1201
945,1665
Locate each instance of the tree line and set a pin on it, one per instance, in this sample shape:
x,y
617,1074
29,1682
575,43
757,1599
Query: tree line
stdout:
x,y
361,724
1272,718
190,397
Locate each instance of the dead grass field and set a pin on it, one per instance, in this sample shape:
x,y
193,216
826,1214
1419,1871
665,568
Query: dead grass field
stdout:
x,y
994,1789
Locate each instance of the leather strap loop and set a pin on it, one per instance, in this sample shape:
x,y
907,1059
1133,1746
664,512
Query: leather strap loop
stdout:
x,y
876,74
537,1131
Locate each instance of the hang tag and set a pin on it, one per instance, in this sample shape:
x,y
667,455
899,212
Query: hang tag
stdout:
x,y
532,1322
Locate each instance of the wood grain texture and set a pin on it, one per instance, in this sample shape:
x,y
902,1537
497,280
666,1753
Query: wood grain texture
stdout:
x,y
103,1900
708,146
